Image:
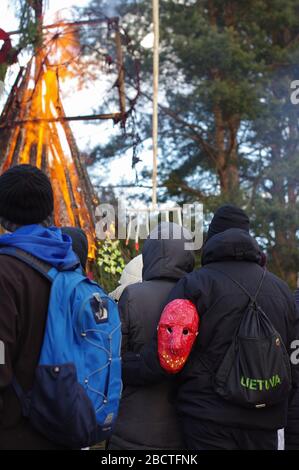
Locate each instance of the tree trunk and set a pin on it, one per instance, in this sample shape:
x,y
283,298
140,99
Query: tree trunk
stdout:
x,y
227,155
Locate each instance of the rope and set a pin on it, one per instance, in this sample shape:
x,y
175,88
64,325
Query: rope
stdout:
x,y
155,98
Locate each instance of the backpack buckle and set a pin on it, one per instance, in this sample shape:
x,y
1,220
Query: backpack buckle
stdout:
x,y
99,308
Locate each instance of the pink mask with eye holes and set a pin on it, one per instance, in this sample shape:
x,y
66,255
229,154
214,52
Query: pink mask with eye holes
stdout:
x,y
177,331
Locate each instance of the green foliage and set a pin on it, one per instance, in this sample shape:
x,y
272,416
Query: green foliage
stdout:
x,y
31,35
110,264
228,131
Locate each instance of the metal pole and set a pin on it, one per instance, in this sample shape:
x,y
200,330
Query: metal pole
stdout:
x,y
155,97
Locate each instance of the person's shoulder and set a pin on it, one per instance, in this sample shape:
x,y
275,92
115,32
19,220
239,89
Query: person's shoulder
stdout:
x,y
9,265
280,285
205,274
12,275
131,290
277,280
16,271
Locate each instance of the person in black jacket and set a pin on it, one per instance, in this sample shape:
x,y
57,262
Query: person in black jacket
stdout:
x,y
292,431
147,418
79,243
297,293
208,421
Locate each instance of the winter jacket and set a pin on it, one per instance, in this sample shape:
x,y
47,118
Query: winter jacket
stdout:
x,y
147,419
24,296
292,430
220,304
131,274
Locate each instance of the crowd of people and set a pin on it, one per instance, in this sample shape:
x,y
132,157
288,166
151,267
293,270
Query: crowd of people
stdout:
x,y
158,409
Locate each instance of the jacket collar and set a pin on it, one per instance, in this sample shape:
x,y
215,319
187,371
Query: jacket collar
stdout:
x,y
232,245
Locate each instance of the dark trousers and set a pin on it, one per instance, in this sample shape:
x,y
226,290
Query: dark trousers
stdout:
x,y
206,435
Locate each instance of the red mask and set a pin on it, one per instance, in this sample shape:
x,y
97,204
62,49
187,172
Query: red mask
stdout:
x,y
177,331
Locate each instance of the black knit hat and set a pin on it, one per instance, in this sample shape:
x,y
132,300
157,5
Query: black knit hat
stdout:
x,y
26,195
226,217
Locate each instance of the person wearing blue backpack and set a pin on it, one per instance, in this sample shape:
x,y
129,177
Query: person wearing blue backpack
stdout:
x,y
60,378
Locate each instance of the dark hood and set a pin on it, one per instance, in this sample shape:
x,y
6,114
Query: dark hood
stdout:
x,y
167,258
79,243
233,244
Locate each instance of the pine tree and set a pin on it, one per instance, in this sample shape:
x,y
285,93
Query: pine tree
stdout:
x,y
228,131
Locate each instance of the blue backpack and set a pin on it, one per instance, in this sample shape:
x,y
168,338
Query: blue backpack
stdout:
x,y
75,397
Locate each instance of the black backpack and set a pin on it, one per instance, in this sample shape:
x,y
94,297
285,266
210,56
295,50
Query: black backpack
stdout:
x,y
255,371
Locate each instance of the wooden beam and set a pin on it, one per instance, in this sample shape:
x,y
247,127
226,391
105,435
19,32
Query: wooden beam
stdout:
x,y
90,117
62,24
121,75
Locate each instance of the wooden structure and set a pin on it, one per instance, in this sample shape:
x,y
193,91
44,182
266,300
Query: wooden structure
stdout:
x,y
33,130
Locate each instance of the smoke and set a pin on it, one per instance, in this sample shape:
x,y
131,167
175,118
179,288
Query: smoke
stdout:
x,y
111,8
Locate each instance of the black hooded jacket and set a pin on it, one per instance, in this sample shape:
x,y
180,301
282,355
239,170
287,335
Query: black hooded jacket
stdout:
x,y
220,304
147,418
292,430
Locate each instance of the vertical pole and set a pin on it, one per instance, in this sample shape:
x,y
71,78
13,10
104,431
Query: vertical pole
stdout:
x,y
155,98
38,10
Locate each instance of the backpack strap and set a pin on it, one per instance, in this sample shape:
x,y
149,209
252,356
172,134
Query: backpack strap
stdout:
x,y
42,267
48,272
24,398
253,299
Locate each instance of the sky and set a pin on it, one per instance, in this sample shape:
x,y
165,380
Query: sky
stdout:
x,y
78,102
